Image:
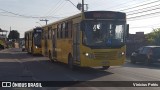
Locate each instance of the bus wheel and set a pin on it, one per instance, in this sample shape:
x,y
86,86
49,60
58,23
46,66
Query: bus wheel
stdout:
x,y
105,67
70,62
50,57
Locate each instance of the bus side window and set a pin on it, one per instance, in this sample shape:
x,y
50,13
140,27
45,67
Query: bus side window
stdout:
x,y
49,32
30,34
46,34
70,29
42,34
66,30
63,29
53,33
58,30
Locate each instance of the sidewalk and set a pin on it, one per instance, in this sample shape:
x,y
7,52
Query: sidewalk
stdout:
x,y
3,50
11,50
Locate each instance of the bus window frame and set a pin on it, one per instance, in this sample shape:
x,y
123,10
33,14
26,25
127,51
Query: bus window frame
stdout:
x,y
70,29
49,33
63,29
66,30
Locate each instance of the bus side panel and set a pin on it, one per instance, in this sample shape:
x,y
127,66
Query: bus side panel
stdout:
x,y
66,47
59,50
30,46
43,48
49,40
43,42
49,46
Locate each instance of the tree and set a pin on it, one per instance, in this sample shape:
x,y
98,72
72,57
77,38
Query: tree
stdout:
x,y
13,35
154,37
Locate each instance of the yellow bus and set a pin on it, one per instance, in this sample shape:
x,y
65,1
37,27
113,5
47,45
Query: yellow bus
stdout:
x,y
33,40
3,39
89,39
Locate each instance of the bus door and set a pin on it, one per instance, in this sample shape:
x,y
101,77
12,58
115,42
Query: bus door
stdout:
x,y
45,43
32,45
54,43
30,42
27,42
76,43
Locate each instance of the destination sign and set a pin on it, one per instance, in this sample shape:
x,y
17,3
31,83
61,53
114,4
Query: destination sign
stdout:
x,y
38,29
104,15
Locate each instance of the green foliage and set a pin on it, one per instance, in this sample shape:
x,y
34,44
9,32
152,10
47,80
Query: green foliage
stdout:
x,y
13,35
153,38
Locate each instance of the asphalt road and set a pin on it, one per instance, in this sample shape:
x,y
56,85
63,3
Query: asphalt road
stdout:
x,y
20,66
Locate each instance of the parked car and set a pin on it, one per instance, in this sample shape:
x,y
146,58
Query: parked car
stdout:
x,y
146,54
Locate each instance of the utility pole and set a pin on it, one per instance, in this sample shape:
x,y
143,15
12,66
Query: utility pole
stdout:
x,y
82,6
10,28
44,20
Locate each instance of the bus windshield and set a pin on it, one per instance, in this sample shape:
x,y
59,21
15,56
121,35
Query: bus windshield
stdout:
x,y
103,33
37,39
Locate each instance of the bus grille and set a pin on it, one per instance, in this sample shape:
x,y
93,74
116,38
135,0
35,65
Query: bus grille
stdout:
x,y
106,55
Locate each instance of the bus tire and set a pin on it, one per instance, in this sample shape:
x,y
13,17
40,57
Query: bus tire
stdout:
x,y
70,62
50,57
32,51
105,67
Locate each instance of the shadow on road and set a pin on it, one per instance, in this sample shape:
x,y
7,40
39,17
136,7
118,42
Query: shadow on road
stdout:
x,y
20,66
28,67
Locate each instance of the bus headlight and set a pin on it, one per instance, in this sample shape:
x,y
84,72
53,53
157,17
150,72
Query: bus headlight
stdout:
x,y
89,55
120,54
86,54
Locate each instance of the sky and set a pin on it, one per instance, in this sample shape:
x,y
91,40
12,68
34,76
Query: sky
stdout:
x,y
23,15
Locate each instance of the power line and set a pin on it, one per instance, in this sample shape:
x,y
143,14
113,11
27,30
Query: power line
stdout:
x,y
127,6
113,6
139,17
140,5
59,8
120,4
72,3
142,8
143,11
56,6
147,26
25,16
48,11
155,13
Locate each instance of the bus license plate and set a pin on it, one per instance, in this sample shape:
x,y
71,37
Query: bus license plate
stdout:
x,y
105,63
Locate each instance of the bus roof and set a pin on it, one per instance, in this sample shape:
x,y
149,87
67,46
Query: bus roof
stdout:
x,y
93,15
